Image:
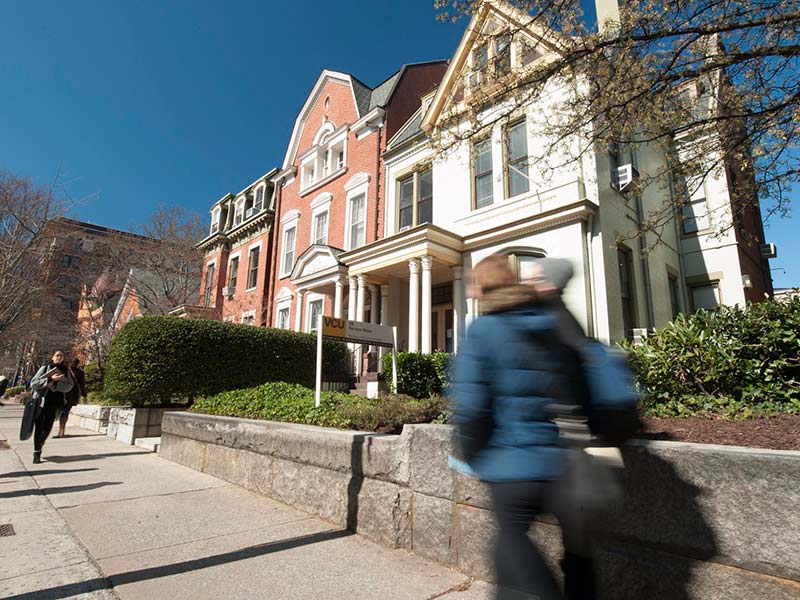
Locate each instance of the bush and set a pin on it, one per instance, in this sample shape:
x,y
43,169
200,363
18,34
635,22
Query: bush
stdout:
x,y
165,359
732,362
294,403
418,375
97,398
94,377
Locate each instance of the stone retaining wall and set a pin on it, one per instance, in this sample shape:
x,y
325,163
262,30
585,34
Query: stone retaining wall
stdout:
x,y
698,522
127,424
90,416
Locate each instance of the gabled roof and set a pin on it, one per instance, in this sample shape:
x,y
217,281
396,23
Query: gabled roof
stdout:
x,y
364,97
502,11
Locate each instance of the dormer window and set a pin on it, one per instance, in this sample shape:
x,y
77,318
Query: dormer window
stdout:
x,y
325,159
497,55
259,202
502,54
215,214
238,216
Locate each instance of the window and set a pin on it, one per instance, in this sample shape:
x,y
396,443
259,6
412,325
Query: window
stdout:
x,y
215,221
416,199
238,216
480,61
695,212
249,318
283,318
672,283
252,271
482,168
62,281
314,312
321,228
625,260
358,217
233,272
502,54
67,303
67,260
259,203
287,263
517,159
209,284
706,296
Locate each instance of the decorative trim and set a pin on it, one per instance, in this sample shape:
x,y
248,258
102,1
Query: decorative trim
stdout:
x,y
357,180
321,200
292,215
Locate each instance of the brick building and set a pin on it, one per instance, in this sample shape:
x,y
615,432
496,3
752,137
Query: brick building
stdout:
x,y
329,191
235,278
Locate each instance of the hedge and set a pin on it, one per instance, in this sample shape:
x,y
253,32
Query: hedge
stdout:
x,y
94,377
731,362
295,404
159,360
419,375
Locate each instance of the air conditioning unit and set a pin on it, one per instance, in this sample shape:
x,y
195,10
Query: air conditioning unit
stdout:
x,y
407,227
626,175
228,291
768,250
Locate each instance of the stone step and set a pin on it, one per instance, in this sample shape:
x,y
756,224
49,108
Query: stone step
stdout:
x,y
149,443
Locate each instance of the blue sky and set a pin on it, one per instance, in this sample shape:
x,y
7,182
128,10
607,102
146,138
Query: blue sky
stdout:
x,y
180,102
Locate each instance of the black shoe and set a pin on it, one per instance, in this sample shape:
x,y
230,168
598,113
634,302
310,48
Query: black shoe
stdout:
x,y
37,457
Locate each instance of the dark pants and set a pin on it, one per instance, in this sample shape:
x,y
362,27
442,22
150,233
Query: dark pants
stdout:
x,y
520,568
44,423
64,416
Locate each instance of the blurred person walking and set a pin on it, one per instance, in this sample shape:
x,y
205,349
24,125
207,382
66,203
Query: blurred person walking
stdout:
x,y
72,397
523,358
48,387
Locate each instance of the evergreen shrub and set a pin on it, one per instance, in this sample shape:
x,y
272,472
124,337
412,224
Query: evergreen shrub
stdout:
x,y
161,360
419,375
731,362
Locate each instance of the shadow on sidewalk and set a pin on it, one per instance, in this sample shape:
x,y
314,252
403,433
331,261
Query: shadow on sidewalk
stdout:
x,y
46,472
57,490
104,583
79,457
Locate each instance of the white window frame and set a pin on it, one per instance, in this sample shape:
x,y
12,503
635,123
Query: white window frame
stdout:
x,y
209,264
248,314
231,258
694,200
323,152
229,319
284,306
238,211
290,221
310,299
259,244
320,205
357,185
216,226
261,189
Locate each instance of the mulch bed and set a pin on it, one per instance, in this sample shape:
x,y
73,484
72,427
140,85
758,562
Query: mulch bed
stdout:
x,y
778,433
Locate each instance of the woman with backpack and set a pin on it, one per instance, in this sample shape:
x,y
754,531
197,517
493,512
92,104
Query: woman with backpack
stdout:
x,y
521,364
48,387
73,396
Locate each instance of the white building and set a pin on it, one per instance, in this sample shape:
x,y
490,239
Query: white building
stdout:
x,y
445,211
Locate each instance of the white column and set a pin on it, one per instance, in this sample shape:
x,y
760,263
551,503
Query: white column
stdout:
x,y
413,305
337,299
427,263
458,307
298,316
351,298
384,318
362,290
374,294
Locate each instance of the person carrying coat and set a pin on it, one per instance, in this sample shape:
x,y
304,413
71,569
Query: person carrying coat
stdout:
x,y
521,358
48,387
73,396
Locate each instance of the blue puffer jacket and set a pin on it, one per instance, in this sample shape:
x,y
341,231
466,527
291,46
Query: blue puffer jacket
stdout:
x,y
504,381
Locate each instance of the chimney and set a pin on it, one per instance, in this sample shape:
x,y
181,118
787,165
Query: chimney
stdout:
x,y
607,17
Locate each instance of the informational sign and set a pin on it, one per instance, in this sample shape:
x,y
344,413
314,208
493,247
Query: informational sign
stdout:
x,y
354,332
357,332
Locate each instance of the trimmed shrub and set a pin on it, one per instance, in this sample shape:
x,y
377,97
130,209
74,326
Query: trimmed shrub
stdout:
x,y
419,375
732,362
160,360
94,377
97,398
294,403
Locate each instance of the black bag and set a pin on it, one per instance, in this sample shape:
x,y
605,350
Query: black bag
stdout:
x,y
29,416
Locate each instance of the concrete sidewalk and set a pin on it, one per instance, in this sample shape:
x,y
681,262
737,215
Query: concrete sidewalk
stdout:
x,y
99,519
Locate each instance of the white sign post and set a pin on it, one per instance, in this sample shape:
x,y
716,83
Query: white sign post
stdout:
x,y
356,332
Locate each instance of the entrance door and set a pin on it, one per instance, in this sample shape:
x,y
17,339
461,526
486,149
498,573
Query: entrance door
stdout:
x,y
442,331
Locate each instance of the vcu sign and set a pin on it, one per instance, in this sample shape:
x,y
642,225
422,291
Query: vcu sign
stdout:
x,y
334,327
